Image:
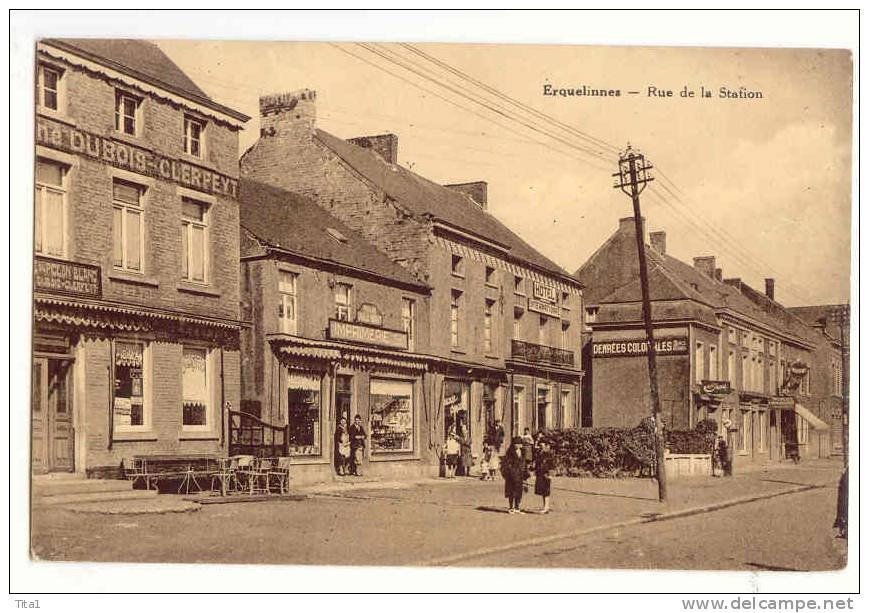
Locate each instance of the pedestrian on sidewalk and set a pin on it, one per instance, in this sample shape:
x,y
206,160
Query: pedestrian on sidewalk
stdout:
x,y
497,436
544,467
451,454
528,447
725,455
841,523
465,459
342,448
515,472
357,445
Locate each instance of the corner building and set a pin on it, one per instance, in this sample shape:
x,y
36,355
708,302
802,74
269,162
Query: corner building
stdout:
x,y
135,268
504,320
725,352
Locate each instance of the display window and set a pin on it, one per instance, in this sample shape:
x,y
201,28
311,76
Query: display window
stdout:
x,y
194,379
456,408
129,394
392,422
304,414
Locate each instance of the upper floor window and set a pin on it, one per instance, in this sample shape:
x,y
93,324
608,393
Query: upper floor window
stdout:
x,y
699,362
565,300
126,113
458,265
542,335
591,315
287,302
128,227
488,330
713,363
48,87
49,223
772,347
342,301
194,136
517,323
565,335
490,276
455,304
194,240
518,285
731,367
731,335
408,321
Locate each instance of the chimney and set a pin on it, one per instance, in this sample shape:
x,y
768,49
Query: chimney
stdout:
x,y
477,190
626,224
290,114
706,265
658,241
770,288
735,282
384,145
718,274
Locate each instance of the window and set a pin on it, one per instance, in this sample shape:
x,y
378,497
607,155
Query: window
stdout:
x,y
455,304
806,383
518,285
490,276
344,398
519,406
541,331
731,335
391,415
126,113
287,302
565,335
781,373
772,347
195,379
408,321
342,301
566,409
762,425
127,226
303,414
456,396
802,430
544,408
458,265
488,332
746,340
194,240
591,315
745,432
713,363
490,410
194,132
48,87
699,362
517,323
731,367
128,407
744,375
837,379
565,300
49,223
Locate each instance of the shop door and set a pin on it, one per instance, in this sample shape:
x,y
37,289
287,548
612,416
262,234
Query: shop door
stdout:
x,y
789,433
52,430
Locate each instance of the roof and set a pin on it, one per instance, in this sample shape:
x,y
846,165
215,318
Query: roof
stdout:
x,y
293,223
811,314
426,198
143,60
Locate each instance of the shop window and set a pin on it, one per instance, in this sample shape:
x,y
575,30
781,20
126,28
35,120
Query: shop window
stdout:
x,y
127,113
456,408
344,398
490,276
49,87
488,330
343,306
408,321
544,408
745,432
128,228
455,317
194,136
699,362
458,265
490,409
566,409
195,380
762,425
518,285
287,302
194,240
391,415
49,227
303,415
129,395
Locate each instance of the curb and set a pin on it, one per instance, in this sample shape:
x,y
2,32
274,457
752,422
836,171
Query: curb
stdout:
x,y
190,507
540,540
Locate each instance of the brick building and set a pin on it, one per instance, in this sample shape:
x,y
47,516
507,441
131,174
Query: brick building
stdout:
x,y
726,352
338,330
135,297
504,320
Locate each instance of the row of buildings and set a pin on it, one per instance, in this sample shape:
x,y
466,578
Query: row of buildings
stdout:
x,y
179,291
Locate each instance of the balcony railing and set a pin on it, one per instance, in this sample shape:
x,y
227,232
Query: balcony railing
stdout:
x,y
530,352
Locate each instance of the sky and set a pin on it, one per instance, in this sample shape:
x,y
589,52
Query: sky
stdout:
x,y
763,184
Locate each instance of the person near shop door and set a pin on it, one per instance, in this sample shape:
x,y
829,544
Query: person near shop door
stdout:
x,y
515,472
465,460
544,467
357,445
342,448
725,455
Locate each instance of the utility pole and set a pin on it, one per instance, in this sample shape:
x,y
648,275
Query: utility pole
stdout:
x,y
842,316
632,177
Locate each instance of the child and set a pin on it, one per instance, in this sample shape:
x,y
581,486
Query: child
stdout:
x,y
485,462
451,453
494,464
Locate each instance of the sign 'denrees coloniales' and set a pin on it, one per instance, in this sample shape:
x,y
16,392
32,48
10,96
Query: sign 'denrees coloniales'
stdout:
x,y
677,345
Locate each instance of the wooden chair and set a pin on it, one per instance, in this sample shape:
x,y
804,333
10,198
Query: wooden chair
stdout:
x,y
225,473
245,471
259,476
280,473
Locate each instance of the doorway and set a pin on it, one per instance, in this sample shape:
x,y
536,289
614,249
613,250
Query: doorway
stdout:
x,y
52,432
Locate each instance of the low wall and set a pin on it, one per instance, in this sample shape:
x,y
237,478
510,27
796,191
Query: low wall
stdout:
x,y
687,465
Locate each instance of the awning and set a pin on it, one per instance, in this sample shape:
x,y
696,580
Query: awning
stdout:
x,y
348,353
814,421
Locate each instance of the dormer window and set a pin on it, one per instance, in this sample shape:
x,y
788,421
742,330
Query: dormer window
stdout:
x,y
48,87
194,136
126,113
591,315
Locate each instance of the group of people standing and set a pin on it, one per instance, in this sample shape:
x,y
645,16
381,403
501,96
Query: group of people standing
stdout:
x,y
350,447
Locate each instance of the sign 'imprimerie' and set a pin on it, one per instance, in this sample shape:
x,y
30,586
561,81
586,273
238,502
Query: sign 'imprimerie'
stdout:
x,y
675,345
346,331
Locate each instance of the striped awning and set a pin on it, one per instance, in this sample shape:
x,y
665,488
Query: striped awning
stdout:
x,y
347,353
814,421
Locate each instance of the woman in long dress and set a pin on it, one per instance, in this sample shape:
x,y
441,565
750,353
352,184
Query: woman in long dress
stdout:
x,y
515,472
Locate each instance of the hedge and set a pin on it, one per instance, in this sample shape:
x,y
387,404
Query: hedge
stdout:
x,y
622,452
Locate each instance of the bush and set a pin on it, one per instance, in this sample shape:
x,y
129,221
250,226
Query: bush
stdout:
x,y
622,452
